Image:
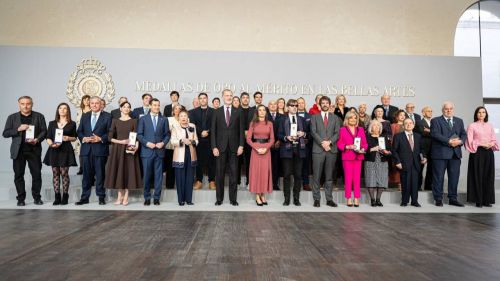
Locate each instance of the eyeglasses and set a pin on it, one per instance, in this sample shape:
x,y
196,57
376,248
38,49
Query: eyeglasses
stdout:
x,y
293,105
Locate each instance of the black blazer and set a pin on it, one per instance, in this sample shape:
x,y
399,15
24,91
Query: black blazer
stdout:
x,y
167,110
202,124
339,113
276,123
225,137
116,113
390,116
426,136
372,142
10,131
402,153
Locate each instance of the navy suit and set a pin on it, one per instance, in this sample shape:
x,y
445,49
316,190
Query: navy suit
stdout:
x,y
94,155
445,157
138,111
152,159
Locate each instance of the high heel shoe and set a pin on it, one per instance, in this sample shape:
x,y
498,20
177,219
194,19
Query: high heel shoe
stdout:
x,y
264,202
259,204
349,203
356,203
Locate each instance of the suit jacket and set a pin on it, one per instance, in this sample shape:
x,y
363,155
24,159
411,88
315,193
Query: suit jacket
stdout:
x,y
402,153
146,133
276,123
10,131
101,129
225,137
417,118
390,115
426,137
167,110
307,119
319,133
346,138
196,117
441,134
138,111
286,149
116,113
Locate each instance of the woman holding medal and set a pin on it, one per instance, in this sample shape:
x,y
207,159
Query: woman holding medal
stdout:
x,y
184,141
352,144
122,170
376,167
60,155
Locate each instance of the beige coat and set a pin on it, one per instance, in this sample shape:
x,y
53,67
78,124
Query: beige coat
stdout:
x,y
177,134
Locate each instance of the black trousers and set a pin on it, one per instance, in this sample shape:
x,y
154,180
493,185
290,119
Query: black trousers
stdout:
x,y
246,154
276,167
292,166
231,159
169,170
409,185
35,165
206,162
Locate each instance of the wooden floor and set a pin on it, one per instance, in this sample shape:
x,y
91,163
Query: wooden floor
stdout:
x,y
97,245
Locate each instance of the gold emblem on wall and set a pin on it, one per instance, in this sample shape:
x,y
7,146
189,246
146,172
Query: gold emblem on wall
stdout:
x,y
90,78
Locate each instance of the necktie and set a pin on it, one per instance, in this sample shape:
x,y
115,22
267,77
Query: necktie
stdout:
x,y
154,122
293,120
325,121
228,117
449,123
274,116
411,117
410,138
386,111
93,121
146,111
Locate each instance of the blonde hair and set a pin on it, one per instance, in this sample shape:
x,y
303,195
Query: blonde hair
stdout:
x,y
337,99
374,123
349,115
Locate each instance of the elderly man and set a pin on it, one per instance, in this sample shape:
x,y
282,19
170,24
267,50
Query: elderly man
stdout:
x,y
448,136
424,128
410,113
389,110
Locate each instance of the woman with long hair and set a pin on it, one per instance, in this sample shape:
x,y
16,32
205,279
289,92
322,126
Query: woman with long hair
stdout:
x,y
281,106
60,155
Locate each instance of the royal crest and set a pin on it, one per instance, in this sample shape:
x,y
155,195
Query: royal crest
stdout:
x,y
90,78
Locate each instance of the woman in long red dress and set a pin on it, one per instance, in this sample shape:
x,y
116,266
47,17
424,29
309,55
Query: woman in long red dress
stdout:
x,y
260,137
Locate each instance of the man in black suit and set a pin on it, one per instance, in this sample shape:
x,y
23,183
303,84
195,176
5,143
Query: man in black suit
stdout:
x,y
174,97
406,150
93,134
116,113
306,164
227,141
448,136
257,97
247,149
424,129
276,118
389,110
202,118
24,149
410,113
138,112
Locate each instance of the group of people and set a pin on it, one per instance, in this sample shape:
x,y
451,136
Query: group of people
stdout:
x,y
132,149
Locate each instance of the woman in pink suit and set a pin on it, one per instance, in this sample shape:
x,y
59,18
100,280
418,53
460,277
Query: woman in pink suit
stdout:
x,y
260,137
352,157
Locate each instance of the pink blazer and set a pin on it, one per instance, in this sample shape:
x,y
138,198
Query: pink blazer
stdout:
x,y
346,138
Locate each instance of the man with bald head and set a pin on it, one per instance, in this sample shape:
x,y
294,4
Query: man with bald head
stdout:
x,y
389,110
448,136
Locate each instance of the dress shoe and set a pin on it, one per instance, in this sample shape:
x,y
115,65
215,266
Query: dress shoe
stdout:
x,y
212,185
65,198
147,202
286,203
264,203
276,188
197,185
378,203
403,204
156,202
331,204
296,203
456,203
416,204
235,203
218,203
21,203
306,187
80,172
181,204
487,205
102,201
439,203
82,202
38,202
316,203
190,203
479,205
57,200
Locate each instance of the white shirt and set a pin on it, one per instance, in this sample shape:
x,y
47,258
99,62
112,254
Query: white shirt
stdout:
x,y
428,121
446,119
323,113
290,116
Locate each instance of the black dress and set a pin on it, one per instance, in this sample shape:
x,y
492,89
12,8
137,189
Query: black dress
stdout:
x,y
64,155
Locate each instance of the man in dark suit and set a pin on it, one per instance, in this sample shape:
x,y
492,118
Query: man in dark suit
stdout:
x,y
202,118
306,164
174,97
448,136
116,113
93,134
325,128
276,118
292,151
24,150
410,113
138,112
257,97
247,149
227,139
389,110
153,133
406,150
424,129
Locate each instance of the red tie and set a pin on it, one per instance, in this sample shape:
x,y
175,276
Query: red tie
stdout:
x,y
325,121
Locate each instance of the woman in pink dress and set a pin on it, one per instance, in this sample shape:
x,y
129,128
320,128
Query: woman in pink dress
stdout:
x,y
481,142
260,137
352,157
